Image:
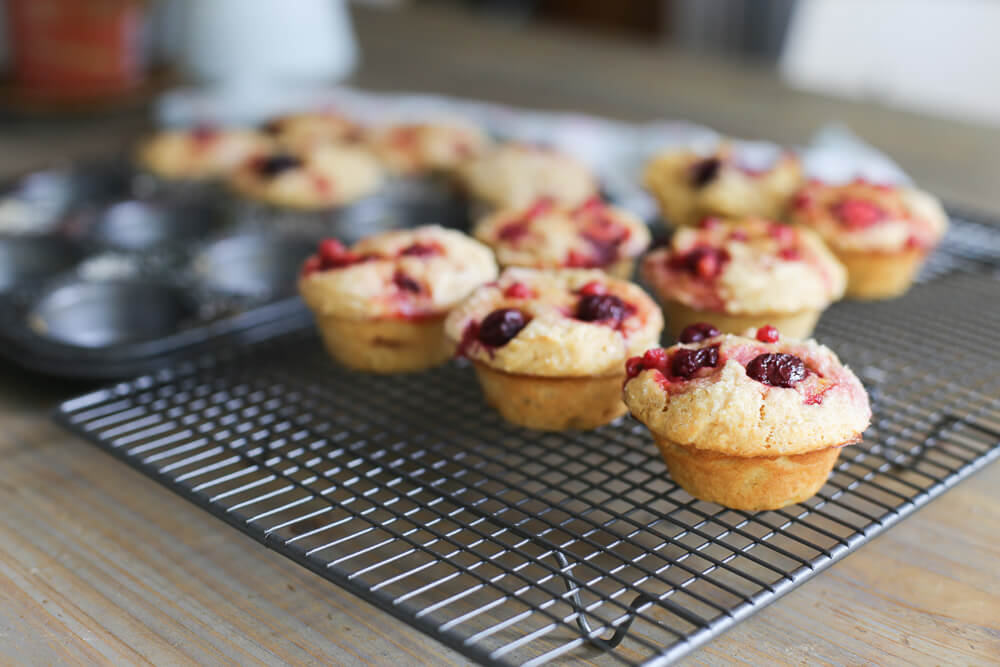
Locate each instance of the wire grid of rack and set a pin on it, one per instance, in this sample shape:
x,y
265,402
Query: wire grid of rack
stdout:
x,y
515,546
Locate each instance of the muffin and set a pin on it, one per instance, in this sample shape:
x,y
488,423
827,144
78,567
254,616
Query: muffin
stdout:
x,y
750,423
380,305
516,175
881,233
420,148
323,177
199,153
549,346
546,235
744,274
689,186
301,131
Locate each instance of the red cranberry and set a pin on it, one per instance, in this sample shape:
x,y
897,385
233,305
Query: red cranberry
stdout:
x,y
704,171
781,233
540,206
273,165
655,358
421,250
405,283
768,334
695,333
518,291
710,222
633,366
790,254
777,369
591,205
500,326
738,235
858,213
312,265
802,200
593,287
685,363
513,231
703,261
602,308
333,255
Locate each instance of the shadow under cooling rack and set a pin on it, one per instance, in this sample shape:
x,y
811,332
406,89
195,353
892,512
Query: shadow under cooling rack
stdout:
x,y
516,546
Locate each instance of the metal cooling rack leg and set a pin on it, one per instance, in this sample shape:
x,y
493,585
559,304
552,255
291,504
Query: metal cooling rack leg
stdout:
x,y
581,619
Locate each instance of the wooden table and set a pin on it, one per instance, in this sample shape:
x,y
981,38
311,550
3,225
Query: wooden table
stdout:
x,y
98,564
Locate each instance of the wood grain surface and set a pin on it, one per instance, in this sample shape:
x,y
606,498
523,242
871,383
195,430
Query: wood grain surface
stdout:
x,y
99,565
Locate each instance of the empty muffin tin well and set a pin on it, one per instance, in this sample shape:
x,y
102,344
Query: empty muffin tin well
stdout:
x,y
135,224
103,314
253,264
29,258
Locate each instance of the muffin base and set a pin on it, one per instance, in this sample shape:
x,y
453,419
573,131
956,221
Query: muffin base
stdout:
x,y
751,484
792,325
879,275
553,403
386,345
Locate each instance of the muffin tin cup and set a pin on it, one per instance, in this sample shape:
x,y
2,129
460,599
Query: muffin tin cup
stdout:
x,y
139,225
386,345
110,313
553,403
751,484
27,259
791,325
255,264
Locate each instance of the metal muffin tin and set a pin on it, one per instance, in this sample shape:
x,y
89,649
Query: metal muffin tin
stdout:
x,y
103,276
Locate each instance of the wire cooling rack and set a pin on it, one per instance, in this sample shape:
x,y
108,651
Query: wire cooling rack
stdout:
x,y
515,546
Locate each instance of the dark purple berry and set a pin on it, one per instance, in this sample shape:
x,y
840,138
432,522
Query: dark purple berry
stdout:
x,y
685,363
500,326
695,333
406,283
777,369
602,308
275,164
704,171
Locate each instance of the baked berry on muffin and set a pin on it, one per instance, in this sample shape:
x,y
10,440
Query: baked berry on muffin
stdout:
x,y
515,175
742,274
302,131
380,305
752,423
690,186
324,176
881,233
199,153
546,235
549,346
417,148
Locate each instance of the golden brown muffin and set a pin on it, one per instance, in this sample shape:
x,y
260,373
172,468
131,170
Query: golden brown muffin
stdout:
x,y
199,153
418,148
744,274
690,186
749,423
380,305
549,346
548,236
881,233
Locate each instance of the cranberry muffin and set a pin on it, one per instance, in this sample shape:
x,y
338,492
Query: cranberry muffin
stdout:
x,y
421,148
546,235
549,346
380,305
199,153
744,274
516,175
752,423
881,233
301,131
324,176
689,186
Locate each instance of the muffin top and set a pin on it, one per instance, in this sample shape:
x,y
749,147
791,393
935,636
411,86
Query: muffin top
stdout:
x,y
323,176
419,147
516,175
302,131
694,186
547,235
747,396
865,217
406,273
555,323
199,153
748,266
